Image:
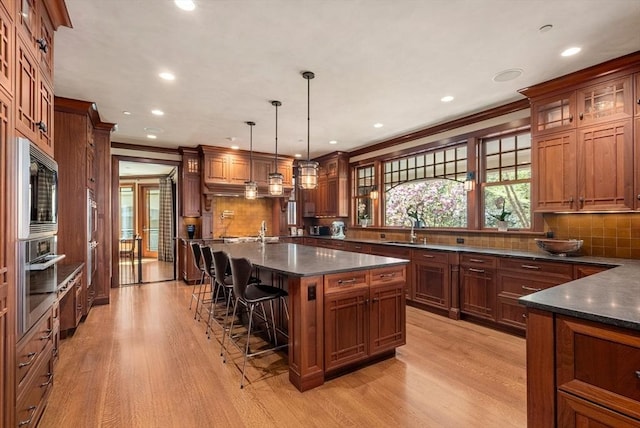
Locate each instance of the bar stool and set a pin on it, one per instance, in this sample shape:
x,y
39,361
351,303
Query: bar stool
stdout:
x,y
250,295
221,282
197,261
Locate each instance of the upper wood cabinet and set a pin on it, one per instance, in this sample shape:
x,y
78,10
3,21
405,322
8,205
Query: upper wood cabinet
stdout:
x,y
584,145
190,184
331,197
225,168
7,51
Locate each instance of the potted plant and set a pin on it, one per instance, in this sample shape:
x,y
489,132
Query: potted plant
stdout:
x,y
502,216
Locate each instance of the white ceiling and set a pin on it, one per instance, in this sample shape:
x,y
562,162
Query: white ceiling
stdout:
x,y
387,61
142,169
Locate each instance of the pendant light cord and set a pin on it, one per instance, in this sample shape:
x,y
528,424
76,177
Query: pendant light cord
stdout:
x,y
308,116
250,149
276,103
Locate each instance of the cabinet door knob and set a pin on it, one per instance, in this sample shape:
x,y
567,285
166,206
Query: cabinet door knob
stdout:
x,y
42,45
581,116
570,118
638,101
42,126
638,374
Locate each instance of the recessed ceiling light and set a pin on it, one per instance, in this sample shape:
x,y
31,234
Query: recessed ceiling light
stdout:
x,y
188,5
167,76
378,125
127,113
151,130
157,112
506,75
297,155
234,147
446,99
333,142
571,51
151,136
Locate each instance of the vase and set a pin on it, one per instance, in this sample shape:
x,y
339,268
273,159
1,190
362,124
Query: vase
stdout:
x,y
503,226
364,222
191,230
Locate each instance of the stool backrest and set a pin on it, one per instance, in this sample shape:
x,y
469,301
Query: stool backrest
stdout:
x,y
241,273
207,258
197,255
220,264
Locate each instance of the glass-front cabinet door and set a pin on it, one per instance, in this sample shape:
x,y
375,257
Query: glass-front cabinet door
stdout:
x,y
611,100
554,113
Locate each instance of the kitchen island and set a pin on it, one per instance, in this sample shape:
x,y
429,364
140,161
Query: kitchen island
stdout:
x,y
583,351
345,309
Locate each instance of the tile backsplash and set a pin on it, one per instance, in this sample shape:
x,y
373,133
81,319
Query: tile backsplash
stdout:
x,y
606,235
246,218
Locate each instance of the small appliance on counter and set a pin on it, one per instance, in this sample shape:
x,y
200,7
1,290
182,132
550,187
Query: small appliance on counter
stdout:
x,y
337,230
320,230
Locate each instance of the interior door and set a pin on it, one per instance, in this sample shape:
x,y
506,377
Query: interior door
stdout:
x,y
149,214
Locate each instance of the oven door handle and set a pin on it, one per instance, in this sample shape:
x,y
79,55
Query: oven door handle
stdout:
x,y
47,264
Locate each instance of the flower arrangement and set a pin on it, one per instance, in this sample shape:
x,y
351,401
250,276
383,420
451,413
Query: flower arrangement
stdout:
x,y
500,203
362,211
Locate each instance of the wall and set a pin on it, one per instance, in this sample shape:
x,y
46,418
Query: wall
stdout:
x,y
247,217
607,235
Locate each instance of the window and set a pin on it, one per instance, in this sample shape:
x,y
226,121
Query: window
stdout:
x,y
364,184
291,207
127,212
427,189
507,180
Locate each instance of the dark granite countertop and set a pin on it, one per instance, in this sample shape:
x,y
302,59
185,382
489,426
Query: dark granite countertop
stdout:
x,y
610,297
303,260
66,271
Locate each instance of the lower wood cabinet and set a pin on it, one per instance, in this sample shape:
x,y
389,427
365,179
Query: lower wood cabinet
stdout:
x,y
190,274
364,315
71,302
478,286
431,278
597,374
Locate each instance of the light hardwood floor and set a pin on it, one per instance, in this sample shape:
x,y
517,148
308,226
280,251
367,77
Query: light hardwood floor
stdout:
x,y
143,361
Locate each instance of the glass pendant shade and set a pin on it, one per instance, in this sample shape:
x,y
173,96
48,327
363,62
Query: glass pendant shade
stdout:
x,y
275,184
308,174
308,170
250,190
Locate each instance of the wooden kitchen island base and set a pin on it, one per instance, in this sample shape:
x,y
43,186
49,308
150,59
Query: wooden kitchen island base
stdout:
x,y
345,309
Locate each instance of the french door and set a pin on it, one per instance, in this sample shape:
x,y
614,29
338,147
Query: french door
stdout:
x,y
149,214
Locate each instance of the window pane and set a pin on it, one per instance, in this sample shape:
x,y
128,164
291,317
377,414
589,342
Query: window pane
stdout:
x,y
508,144
433,203
517,202
492,147
126,213
524,141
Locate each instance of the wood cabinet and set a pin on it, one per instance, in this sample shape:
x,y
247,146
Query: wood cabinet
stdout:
x,y
431,278
34,74
71,302
478,287
583,145
581,271
597,374
7,52
518,277
223,167
364,315
188,271
190,184
34,371
83,144
331,197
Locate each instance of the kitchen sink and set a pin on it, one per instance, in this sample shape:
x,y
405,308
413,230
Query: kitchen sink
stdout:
x,y
404,242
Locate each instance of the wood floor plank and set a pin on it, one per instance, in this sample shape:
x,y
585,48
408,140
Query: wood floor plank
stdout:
x,y
143,361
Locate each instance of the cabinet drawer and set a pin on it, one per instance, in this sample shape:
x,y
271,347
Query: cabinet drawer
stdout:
x,y
391,251
346,281
388,275
32,346
599,364
516,285
359,248
32,397
476,260
528,267
431,256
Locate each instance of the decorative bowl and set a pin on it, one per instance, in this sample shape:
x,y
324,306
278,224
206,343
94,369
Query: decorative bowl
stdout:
x,y
560,247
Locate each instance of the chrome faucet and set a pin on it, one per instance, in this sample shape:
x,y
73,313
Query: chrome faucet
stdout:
x,y
413,236
263,231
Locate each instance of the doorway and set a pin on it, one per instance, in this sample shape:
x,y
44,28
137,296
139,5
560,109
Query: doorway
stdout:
x,y
145,214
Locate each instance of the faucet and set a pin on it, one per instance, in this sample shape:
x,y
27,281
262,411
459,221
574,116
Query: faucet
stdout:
x,y
263,231
413,236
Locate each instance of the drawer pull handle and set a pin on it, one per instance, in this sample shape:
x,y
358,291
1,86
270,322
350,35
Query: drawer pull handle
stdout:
x,y
375,300
476,260
346,281
32,411
524,316
31,356
530,267
524,287
428,256
387,275
48,382
48,335
638,374
476,270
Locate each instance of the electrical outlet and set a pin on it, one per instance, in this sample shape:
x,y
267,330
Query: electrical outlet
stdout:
x,y
550,234
311,293
459,240
382,236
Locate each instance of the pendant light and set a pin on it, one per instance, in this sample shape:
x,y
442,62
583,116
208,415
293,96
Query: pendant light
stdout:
x,y
308,173
250,187
275,178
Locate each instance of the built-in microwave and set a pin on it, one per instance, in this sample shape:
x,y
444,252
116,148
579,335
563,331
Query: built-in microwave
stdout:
x,y
37,192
